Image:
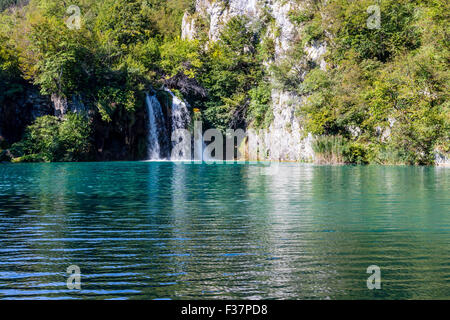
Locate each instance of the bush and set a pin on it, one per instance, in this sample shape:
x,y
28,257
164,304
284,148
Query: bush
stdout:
x,y
49,139
356,153
74,133
29,158
259,104
349,26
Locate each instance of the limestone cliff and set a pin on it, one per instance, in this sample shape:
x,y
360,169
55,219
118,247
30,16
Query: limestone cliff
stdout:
x,y
284,139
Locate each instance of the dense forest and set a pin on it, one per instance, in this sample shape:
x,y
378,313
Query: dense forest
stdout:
x,y
395,76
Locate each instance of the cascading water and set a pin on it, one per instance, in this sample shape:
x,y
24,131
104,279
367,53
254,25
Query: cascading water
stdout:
x,y
156,127
181,120
180,113
158,137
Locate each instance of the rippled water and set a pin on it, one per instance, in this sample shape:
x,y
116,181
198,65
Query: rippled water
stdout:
x,y
162,230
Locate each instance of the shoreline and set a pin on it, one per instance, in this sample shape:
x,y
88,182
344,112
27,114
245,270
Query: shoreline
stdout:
x,y
446,165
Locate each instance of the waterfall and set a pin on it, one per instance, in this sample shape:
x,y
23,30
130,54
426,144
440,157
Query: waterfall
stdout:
x,y
158,138
180,113
156,127
180,118
199,144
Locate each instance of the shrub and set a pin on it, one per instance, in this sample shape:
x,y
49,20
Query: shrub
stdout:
x,y
231,70
356,153
260,104
74,133
49,139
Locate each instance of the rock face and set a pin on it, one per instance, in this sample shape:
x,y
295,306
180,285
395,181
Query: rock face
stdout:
x,y
124,138
188,27
285,138
121,139
442,159
62,105
21,111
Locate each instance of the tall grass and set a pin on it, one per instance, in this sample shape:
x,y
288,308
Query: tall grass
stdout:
x,y
330,149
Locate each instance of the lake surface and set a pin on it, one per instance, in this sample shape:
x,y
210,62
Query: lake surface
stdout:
x,y
162,230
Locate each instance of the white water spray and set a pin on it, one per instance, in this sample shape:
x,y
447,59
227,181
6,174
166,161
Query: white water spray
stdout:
x,y
156,125
179,119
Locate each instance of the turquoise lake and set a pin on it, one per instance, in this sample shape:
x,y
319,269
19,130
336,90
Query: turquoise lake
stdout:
x,y
164,230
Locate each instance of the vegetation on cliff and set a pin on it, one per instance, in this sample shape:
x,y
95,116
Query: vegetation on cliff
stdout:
x,y
383,97
52,140
391,81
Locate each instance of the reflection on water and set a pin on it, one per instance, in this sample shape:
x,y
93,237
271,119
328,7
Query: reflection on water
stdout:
x,y
171,230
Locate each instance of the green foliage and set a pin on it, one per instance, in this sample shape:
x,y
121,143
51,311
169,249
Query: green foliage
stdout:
x,y
260,105
11,83
144,58
339,150
384,94
300,16
180,56
110,99
167,15
309,19
119,42
330,149
74,134
50,139
266,49
123,23
397,32
232,67
357,153
390,85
